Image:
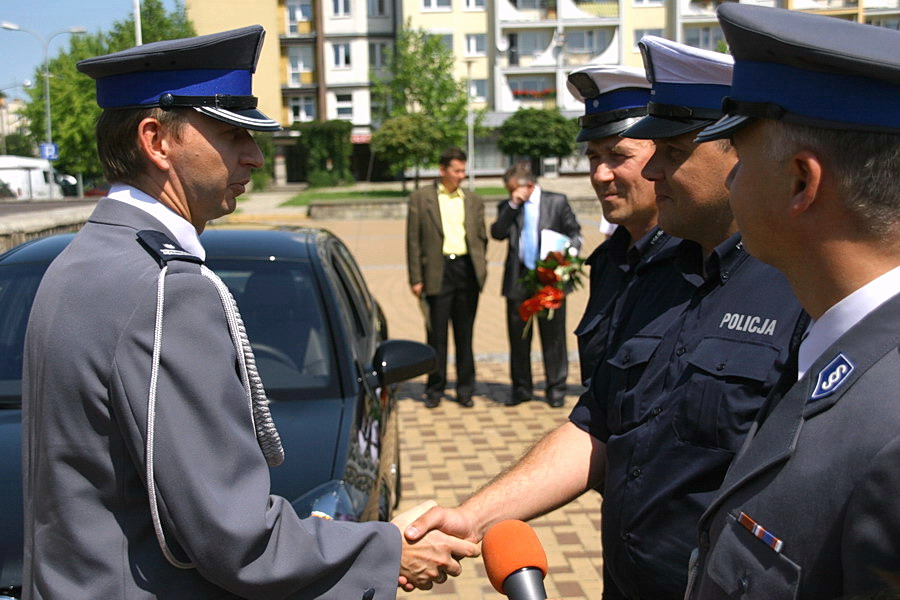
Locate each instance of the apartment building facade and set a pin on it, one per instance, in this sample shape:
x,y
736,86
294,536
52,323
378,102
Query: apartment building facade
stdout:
x,y
317,61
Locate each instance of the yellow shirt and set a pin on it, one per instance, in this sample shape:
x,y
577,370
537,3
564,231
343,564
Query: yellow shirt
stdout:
x,y
453,220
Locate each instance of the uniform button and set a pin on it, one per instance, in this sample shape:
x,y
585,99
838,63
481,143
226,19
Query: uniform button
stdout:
x,y
744,584
720,366
635,473
724,275
656,411
368,594
626,537
680,351
626,359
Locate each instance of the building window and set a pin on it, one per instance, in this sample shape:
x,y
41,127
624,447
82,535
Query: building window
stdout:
x,y
478,89
639,3
377,8
888,22
436,5
303,108
446,39
639,33
344,105
708,38
532,42
525,88
341,55
300,60
340,8
378,53
474,4
298,11
586,41
530,4
476,44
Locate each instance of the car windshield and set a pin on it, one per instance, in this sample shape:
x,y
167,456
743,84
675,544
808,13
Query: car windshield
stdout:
x,y
282,309
280,305
18,285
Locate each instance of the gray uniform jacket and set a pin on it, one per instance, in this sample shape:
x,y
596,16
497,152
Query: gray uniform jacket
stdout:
x,y
555,214
425,238
822,476
88,529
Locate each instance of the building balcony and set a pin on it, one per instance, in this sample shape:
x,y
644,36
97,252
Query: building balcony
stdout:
x,y
518,12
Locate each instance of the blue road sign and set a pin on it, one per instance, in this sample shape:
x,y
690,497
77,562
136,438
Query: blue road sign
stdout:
x,y
49,151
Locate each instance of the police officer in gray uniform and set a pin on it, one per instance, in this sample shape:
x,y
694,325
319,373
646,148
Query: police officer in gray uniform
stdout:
x,y
810,508
146,436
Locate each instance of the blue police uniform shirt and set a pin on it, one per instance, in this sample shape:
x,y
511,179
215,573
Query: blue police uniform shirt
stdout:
x,y
629,287
673,405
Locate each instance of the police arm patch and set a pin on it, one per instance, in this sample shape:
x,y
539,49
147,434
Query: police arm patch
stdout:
x,y
832,376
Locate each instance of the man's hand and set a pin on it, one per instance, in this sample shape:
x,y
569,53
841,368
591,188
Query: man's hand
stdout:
x,y
452,521
432,557
416,289
519,195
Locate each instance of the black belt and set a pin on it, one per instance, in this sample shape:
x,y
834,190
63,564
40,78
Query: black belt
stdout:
x,y
452,257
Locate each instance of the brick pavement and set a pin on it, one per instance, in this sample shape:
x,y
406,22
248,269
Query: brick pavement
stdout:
x,y
448,452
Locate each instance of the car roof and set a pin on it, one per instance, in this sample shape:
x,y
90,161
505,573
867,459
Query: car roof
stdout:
x,y
296,243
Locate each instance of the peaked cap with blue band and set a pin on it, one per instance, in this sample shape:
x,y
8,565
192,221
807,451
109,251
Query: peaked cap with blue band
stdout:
x,y
210,73
810,70
688,85
614,98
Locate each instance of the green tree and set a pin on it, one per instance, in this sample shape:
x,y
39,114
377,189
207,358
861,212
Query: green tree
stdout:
x,y
406,141
18,144
419,80
538,133
74,108
328,149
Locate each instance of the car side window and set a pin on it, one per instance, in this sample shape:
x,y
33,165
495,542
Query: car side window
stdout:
x,y
357,295
18,285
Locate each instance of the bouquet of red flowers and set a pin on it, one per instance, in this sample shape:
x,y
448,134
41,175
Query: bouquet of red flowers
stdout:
x,y
549,282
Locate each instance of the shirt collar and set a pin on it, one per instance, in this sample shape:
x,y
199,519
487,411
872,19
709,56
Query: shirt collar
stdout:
x,y
841,317
458,193
718,266
184,232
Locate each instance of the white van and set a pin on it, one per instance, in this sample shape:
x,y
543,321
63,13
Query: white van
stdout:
x,y
28,178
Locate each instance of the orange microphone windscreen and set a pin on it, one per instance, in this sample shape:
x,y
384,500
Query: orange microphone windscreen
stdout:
x,y
509,546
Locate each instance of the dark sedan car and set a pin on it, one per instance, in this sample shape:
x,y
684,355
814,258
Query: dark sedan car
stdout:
x,y
320,341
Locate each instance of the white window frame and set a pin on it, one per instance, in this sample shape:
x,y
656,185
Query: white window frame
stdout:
x,y
473,40
341,55
378,55
340,8
475,5
707,34
639,33
298,66
478,95
541,38
301,103
346,103
377,8
294,9
437,5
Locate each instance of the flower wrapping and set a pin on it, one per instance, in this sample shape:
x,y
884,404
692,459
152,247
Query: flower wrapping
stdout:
x,y
548,283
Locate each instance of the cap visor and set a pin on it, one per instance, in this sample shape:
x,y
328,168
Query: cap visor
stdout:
x,y
607,129
249,118
723,128
657,128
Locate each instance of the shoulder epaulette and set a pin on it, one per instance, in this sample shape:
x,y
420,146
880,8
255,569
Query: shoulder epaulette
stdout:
x,y
164,249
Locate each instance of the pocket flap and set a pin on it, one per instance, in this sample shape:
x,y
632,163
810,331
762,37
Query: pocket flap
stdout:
x,y
724,357
635,351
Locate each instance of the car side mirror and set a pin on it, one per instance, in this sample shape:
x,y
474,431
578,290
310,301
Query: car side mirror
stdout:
x,y
400,360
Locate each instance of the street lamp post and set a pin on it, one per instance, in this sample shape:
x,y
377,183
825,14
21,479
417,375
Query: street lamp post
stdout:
x,y
45,42
470,122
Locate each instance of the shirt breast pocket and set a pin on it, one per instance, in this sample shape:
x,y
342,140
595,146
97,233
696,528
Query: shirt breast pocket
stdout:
x,y
727,385
626,368
745,567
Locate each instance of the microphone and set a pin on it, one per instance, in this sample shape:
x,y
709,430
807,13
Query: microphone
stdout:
x,y
515,560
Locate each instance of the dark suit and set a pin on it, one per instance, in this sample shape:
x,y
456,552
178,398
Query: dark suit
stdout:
x,y
822,474
450,285
86,382
555,214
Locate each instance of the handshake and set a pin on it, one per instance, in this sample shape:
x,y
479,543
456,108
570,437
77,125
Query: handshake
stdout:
x,y
435,539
